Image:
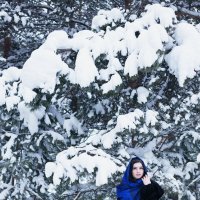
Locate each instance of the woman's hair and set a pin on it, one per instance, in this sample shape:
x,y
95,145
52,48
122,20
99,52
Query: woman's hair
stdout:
x,y
133,161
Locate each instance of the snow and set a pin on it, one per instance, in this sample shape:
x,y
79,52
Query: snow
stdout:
x,y
144,49
142,93
85,69
50,167
151,117
191,196
6,150
52,188
11,102
112,83
107,17
83,39
72,124
104,137
5,16
189,169
16,18
99,109
147,56
108,139
129,120
31,118
143,129
165,15
194,98
157,36
65,167
195,135
2,59
57,39
24,20
149,42
2,92
11,74
184,58
123,153
126,121
131,65
5,192
55,136
198,158
47,119
27,93
44,67
40,70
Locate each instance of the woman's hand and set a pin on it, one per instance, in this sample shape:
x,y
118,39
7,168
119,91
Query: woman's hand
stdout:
x,y
146,180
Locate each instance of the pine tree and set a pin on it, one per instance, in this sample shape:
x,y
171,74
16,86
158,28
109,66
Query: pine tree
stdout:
x,y
81,107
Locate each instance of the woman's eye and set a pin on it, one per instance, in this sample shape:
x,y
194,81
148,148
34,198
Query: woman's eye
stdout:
x,y
137,168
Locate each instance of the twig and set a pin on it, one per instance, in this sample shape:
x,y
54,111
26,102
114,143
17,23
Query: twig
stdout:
x,y
38,5
198,178
77,196
80,22
31,191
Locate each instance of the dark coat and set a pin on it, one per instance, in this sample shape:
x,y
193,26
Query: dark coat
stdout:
x,y
152,191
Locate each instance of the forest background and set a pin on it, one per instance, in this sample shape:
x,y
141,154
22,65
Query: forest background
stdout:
x,y
77,102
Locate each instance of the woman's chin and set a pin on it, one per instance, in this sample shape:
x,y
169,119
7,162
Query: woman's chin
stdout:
x,y
138,177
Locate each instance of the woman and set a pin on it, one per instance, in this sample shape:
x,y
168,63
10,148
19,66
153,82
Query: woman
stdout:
x,y
136,184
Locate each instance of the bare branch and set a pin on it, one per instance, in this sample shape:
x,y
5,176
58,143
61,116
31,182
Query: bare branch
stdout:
x,y
38,5
80,22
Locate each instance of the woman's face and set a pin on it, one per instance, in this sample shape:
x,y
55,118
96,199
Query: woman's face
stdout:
x,y
138,170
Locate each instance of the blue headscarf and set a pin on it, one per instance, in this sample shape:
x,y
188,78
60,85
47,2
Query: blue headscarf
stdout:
x,y
127,189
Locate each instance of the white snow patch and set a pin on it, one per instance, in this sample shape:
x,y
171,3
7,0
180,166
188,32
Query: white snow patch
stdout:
x,y
31,118
69,167
11,102
151,117
112,83
85,70
142,93
184,59
105,17
72,124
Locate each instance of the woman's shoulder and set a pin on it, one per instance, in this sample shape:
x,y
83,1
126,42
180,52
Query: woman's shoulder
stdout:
x,y
152,190
151,187
153,182
156,184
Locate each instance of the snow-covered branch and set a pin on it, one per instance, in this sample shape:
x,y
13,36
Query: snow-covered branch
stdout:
x,y
52,109
37,6
184,11
158,96
80,22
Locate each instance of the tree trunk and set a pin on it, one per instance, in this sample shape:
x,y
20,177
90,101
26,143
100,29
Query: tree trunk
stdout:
x,y
6,46
127,4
